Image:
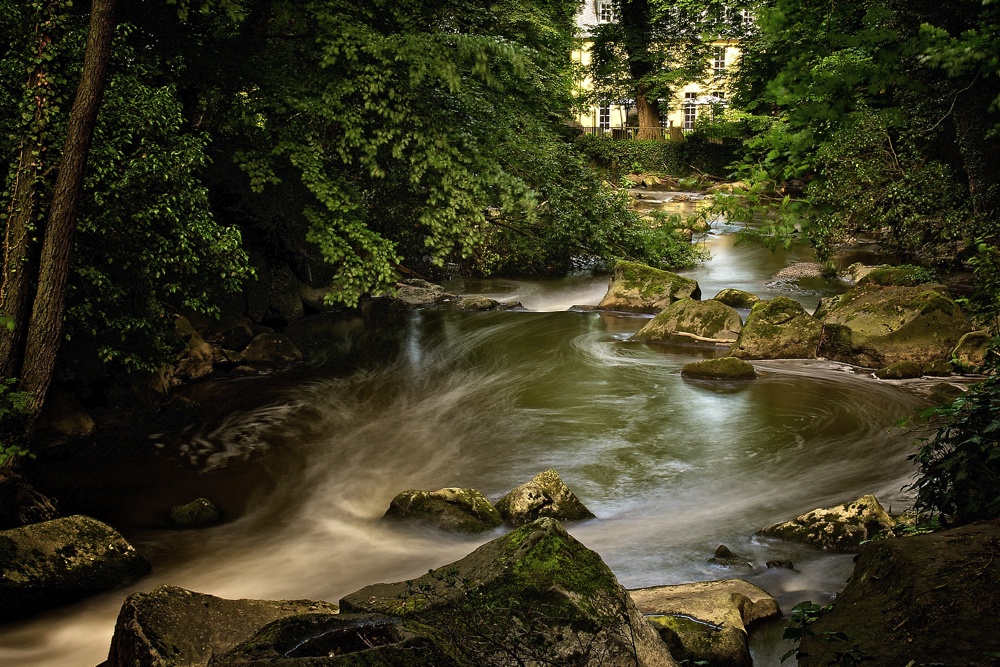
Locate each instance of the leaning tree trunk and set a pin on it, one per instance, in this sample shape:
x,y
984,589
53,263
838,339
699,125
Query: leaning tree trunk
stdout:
x,y
17,278
649,116
46,326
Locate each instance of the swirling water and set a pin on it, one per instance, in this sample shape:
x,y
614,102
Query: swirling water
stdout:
x,y
672,468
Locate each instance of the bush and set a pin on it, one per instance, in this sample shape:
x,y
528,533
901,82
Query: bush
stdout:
x,y
696,154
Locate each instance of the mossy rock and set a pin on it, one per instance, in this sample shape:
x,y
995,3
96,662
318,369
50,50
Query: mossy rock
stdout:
x,y
897,276
174,626
937,368
538,590
902,370
736,298
271,348
49,564
475,303
725,368
778,329
544,495
969,353
197,513
691,321
333,640
639,288
876,327
454,509
707,621
842,528
927,599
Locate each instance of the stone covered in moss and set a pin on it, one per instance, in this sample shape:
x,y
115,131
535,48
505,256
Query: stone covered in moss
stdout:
x,y
690,321
200,512
544,495
48,564
927,599
531,596
902,370
876,327
970,352
174,626
842,528
725,368
778,329
475,303
906,275
639,288
707,621
454,509
937,368
736,298
333,640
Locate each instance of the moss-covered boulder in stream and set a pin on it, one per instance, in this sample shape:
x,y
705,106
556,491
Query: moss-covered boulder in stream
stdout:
x,y
778,329
876,327
901,370
544,495
171,626
736,298
534,596
48,564
706,322
905,275
196,514
454,509
724,368
970,352
707,622
842,528
638,288
928,599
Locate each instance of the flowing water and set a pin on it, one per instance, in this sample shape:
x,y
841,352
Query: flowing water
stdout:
x,y
671,468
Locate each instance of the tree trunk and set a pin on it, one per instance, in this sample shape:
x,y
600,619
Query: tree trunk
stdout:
x,y
980,153
45,328
20,246
649,116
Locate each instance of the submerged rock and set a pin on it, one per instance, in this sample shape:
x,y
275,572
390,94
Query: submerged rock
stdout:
x,y
271,347
642,289
458,510
841,528
49,564
545,495
687,320
707,621
533,596
876,327
778,329
726,558
174,626
725,368
737,298
199,512
927,599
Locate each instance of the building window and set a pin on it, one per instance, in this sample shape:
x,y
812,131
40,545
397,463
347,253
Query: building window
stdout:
x,y
604,116
605,11
690,110
747,15
719,61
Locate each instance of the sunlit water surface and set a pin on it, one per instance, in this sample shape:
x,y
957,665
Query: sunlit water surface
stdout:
x,y
671,468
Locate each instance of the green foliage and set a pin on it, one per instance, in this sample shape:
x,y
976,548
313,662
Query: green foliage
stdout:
x,y
678,158
804,614
13,407
958,474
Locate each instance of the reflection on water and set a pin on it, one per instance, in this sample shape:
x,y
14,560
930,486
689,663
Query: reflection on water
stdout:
x,y
672,468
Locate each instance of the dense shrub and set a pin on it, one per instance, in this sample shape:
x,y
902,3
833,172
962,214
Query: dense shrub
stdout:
x,y
696,154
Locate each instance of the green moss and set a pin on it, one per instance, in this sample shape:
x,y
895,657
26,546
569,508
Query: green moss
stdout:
x,y
902,370
726,368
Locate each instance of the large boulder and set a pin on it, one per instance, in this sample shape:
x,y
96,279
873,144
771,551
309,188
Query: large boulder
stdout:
x,y
458,510
171,626
842,528
707,621
724,368
905,275
928,599
970,351
691,321
534,596
48,564
417,292
778,329
544,495
737,298
639,288
271,348
876,327
333,640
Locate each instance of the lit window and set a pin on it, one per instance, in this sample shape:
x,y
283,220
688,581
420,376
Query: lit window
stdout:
x,y
605,11
604,116
690,110
719,61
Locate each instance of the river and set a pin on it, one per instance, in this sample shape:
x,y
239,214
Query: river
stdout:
x,y
308,459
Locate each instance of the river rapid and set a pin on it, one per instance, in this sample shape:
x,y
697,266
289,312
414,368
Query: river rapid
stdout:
x,y
671,468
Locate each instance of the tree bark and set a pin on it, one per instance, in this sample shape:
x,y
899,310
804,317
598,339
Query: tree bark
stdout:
x,y
980,153
20,244
649,116
46,325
